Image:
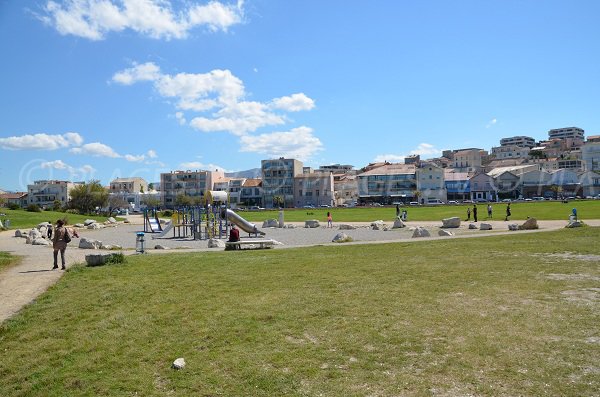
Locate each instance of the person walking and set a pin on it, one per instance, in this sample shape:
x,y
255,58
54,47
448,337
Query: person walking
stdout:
x,y
59,243
507,212
397,210
474,212
49,230
329,220
468,213
489,211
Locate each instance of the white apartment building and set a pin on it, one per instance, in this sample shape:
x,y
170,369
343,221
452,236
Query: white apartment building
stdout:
x,y
314,189
431,182
190,183
567,132
521,141
511,152
278,180
45,192
590,155
470,160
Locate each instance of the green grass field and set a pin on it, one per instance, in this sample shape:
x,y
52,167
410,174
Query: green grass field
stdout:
x,y
547,210
495,316
7,260
25,219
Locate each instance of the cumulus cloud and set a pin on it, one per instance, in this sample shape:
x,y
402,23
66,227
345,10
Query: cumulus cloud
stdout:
x,y
197,165
219,97
423,149
41,141
134,158
94,19
73,171
297,143
491,123
293,103
96,149
152,154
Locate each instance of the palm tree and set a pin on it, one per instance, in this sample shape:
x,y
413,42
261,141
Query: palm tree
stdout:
x,y
278,201
556,189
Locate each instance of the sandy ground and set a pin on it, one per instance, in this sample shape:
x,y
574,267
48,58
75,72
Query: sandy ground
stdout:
x,y
23,283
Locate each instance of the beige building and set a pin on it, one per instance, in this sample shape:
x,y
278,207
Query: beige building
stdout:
x,y
469,160
431,182
190,183
314,189
45,192
510,152
18,198
128,185
345,189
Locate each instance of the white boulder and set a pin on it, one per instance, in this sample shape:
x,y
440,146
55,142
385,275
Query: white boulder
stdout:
x,y
453,222
473,226
79,225
270,223
378,225
112,220
445,233
216,243
40,241
513,226
341,237
311,223
344,226
34,233
88,222
20,233
398,223
485,226
88,243
421,232
179,363
95,226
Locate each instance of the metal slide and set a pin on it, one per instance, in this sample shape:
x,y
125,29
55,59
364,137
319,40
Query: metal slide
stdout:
x,y
240,222
165,230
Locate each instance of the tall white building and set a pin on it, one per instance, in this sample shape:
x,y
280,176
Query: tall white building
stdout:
x,y
567,132
45,192
521,141
590,155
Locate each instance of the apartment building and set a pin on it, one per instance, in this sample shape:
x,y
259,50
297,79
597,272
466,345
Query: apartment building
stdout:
x,y
337,169
190,183
567,132
388,183
590,155
128,185
345,189
45,192
505,152
251,193
520,141
233,187
314,189
17,198
482,187
431,182
278,180
469,160
457,184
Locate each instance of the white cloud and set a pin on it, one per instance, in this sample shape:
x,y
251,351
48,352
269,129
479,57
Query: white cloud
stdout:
x,y
297,143
144,72
41,141
426,149
196,165
75,172
93,19
96,149
181,118
491,123
134,158
293,103
423,149
390,158
152,154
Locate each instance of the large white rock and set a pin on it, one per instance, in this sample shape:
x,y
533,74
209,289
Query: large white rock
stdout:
x,y
79,225
574,224
289,226
43,224
88,222
34,233
270,223
312,223
43,230
85,243
341,237
398,223
111,220
485,226
95,226
40,241
513,226
444,233
179,363
97,259
216,243
473,226
378,225
21,233
421,232
529,224
344,226
451,222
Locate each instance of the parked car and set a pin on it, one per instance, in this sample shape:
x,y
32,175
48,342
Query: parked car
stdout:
x,y
414,203
506,200
434,202
481,200
467,201
255,208
452,202
324,206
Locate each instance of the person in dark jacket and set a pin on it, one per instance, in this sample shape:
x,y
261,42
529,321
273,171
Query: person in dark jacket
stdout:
x,y
59,243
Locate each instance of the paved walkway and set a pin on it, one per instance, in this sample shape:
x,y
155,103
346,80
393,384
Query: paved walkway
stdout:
x,y
23,283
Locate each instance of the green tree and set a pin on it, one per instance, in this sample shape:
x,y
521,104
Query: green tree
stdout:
x,y
556,189
141,188
57,205
88,196
183,201
278,201
150,186
152,202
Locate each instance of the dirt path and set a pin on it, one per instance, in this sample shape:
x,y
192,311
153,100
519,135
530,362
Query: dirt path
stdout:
x,y
23,283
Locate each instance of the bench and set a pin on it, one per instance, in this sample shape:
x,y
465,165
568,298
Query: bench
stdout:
x,y
260,243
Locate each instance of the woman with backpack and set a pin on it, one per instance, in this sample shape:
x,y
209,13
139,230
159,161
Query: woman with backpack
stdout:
x,y
60,239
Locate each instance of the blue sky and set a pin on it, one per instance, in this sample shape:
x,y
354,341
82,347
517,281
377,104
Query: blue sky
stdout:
x,y
107,88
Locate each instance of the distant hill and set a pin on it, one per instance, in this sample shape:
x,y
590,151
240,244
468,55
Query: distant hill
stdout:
x,y
252,173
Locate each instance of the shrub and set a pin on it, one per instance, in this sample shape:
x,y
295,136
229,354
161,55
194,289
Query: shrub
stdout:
x,y
34,208
72,211
13,206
